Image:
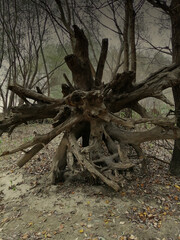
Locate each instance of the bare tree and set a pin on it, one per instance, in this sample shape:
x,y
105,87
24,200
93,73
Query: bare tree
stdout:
x,y
24,33
173,10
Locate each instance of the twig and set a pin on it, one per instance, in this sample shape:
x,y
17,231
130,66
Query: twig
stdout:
x,y
158,159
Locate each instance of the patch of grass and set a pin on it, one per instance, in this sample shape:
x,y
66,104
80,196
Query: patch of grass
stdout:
x,y
28,139
12,186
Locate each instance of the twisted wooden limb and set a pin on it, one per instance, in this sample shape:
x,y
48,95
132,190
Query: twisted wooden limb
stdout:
x,y
137,138
79,62
87,165
122,153
111,146
150,87
27,93
24,113
96,139
28,155
101,62
139,109
111,165
59,161
41,140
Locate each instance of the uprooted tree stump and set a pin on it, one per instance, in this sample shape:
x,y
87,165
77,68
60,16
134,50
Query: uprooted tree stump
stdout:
x,y
87,112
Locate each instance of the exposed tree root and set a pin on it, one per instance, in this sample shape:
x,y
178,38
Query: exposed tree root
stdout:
x,y
94,137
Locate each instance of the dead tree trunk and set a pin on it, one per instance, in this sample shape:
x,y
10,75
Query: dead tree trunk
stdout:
x,y
175,20
96,138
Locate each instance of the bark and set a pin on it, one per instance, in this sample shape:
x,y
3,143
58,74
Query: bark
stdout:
x,y
115,101
84,162
81,72
101,62
60,161
28,155
125,35
132,36
26,113
136,138
79,62
27,93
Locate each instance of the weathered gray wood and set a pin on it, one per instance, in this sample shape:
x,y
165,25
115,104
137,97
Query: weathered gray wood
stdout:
x,y
59,161
97,138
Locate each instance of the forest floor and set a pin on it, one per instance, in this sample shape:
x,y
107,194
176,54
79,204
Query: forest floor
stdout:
x,y
147,207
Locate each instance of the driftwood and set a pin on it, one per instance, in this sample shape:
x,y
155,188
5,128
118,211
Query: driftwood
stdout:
x,y
89,111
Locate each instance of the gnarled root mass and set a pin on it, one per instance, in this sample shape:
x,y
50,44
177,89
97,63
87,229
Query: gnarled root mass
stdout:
x,y
95,137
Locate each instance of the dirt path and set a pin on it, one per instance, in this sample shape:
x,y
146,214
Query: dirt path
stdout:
x,y
30,208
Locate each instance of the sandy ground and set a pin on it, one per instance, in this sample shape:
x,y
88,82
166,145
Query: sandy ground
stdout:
x,y
31,208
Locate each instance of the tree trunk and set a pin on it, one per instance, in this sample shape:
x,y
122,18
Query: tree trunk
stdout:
x,y
175,21
125,35
132,44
